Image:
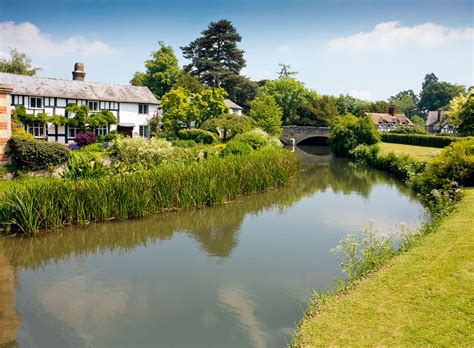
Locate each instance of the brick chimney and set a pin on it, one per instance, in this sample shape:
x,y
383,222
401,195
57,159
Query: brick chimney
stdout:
x,y
439,115
78,74
391,110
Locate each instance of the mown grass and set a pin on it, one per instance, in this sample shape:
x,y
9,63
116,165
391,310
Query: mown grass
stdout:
x,y
46,205
420,153
424,296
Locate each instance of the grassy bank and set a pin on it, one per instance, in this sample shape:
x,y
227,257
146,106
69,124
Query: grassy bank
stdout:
x,y
45,205
420,153
421,297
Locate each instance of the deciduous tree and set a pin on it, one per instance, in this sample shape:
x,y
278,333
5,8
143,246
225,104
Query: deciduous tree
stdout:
x,y
267,114
19,63
162,71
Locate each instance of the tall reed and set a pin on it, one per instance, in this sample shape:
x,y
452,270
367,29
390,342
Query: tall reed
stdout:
x,y
46,205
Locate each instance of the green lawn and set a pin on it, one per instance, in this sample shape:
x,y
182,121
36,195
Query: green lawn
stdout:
x,y
422,297
421,153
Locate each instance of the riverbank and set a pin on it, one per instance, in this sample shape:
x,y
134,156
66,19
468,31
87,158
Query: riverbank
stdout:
x,y
45,205
420,297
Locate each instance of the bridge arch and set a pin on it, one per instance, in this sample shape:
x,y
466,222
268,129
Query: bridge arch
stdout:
x,y
313,141
300,134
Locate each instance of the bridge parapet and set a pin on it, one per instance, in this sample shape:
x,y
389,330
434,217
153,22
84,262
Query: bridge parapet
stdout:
x,y
300,133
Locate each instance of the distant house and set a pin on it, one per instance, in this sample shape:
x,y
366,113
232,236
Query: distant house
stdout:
x,y
131,105
434,123
233,107
390,120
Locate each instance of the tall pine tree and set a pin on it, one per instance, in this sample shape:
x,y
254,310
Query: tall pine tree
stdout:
x,y
214,55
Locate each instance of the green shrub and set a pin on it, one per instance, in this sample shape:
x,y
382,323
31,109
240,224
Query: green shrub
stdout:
x,y
107,138
3,171
255,140
349,131
198,135
258,138
36,154
407,130
45,205
418,139
402,166
183,143
84,167
147,152
229,125
93,148
454,163
235,147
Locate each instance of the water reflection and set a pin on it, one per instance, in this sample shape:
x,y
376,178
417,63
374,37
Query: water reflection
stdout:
x,y
215,228
117,282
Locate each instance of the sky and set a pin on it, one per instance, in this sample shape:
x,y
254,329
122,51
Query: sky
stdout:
x,y
368,49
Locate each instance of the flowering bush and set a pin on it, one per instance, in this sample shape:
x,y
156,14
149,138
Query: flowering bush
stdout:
x,y
74,147
85,138
258,138
148,152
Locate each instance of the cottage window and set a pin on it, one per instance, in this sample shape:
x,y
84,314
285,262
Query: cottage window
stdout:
x,y
102,130
72,132
36,103
144,131
38,130
142,108
93,106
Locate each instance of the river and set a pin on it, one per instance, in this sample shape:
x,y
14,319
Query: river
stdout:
x,y
233,275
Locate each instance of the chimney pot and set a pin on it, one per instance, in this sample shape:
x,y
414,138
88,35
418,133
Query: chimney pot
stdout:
x,y
78,74
391,110
439,115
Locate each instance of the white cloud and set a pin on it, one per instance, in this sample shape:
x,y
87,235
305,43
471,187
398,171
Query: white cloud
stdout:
x,y
366,95
28,38
388,35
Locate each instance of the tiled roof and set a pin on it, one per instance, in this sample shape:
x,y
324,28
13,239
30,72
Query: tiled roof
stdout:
x,y
231,105
59,88
399,119
433,116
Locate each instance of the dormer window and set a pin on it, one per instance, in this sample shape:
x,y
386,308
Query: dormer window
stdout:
x,y
143,108
36,103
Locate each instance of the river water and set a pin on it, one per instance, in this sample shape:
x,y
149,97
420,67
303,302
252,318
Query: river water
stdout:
x,y
234,275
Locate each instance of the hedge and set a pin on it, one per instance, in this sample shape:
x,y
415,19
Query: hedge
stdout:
x,y
36,154
417,139
198,135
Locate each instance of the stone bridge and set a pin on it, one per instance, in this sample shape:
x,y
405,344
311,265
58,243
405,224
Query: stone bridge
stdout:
x,y
304,134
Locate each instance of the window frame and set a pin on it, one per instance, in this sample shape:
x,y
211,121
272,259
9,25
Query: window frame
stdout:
x,y
36,103
93,102
101,130
39,127
144,130
74,129
143,109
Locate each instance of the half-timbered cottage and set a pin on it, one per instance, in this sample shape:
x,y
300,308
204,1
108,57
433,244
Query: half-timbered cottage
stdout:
x,y
133,106
391,120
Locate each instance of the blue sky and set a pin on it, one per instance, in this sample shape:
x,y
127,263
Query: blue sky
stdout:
x,y
370,49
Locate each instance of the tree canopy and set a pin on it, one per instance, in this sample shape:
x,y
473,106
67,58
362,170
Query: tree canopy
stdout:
x,y
19,63
162,71
267,114
184,109
215,55
288,94
406,102
461,113
437,95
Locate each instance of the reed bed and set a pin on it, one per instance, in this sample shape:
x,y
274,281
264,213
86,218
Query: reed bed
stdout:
x,y
48,205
